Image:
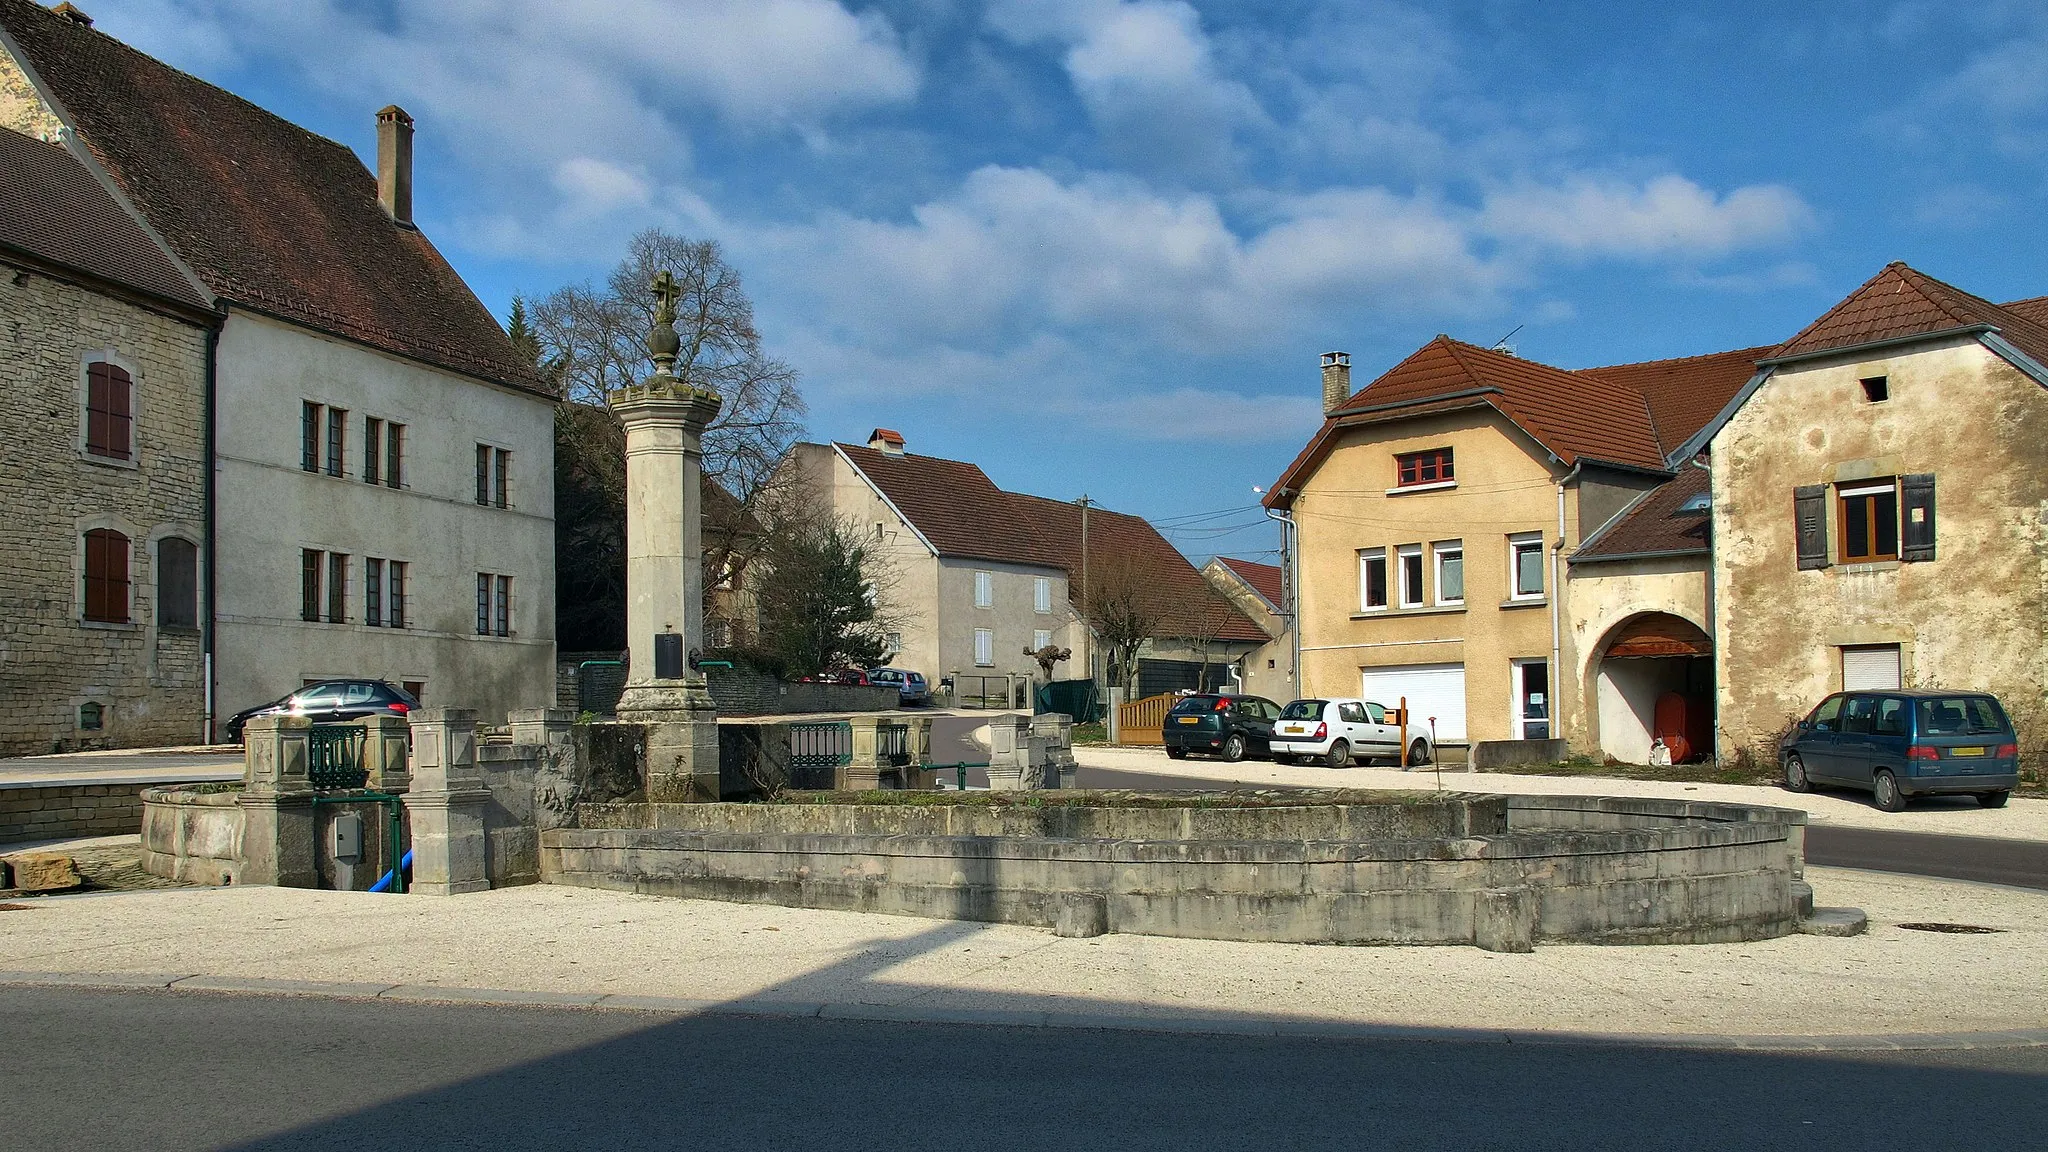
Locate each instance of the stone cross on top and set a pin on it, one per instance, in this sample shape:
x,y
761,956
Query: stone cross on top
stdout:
x,y
662,341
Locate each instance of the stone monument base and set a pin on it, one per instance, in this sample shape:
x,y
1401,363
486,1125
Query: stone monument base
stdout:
x,y
682,738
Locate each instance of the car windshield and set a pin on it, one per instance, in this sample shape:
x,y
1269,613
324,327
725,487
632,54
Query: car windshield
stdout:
x,y
1187,704
1961,716
1303,710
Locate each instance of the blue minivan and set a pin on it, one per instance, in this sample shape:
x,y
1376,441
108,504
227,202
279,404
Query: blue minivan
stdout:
x,y
1904,744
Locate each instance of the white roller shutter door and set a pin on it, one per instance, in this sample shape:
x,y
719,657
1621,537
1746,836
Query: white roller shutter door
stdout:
x,y
1870,668
1432,690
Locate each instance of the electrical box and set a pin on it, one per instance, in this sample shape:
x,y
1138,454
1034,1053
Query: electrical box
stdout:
x,y
668,656
347,831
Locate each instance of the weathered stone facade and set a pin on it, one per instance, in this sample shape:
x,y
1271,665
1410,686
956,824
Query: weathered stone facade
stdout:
x,y
146,677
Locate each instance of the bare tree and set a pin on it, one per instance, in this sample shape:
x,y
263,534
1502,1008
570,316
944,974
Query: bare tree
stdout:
x,y
1125,607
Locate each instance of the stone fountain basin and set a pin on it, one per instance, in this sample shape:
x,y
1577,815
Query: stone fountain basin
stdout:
x,y
1338,867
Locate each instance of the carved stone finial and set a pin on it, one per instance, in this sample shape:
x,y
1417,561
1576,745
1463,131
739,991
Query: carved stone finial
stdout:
x,y
662,342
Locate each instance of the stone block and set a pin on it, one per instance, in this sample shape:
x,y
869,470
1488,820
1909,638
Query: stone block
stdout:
x,y
1504,920
1080,914
44,872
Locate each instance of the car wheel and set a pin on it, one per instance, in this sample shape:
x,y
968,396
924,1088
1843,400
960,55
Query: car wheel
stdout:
x,y
1233,747
1176,753
1339,755
1884,793
1418,753
1992,799
1795,775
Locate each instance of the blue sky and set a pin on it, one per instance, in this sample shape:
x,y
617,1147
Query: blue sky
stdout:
x,y
1098,245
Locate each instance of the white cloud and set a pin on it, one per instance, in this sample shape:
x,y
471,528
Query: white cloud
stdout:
x,y
1668,216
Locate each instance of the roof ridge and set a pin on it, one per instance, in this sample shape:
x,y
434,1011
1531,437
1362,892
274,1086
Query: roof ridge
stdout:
x,y
1672,359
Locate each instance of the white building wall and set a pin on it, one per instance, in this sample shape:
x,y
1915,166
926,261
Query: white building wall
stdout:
x,y
269,510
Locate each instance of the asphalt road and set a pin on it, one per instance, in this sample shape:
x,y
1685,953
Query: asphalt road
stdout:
x,y
91,1069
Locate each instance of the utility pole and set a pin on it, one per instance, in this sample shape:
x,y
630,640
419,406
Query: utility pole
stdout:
x,y
1084,502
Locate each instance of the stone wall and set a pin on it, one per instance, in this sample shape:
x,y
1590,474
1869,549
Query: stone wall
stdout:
x,y
146,677
745,692
192,834
56,811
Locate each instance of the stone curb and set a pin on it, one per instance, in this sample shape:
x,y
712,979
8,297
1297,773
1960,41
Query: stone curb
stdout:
x,y
1009,1018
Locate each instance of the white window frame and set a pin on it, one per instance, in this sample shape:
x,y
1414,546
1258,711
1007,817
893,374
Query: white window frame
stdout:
x,y
984,589
1518,543
1405,596
1367,556
1441,551
1041,594
984,647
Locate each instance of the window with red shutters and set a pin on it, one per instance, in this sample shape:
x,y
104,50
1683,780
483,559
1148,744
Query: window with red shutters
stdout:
x,y
1431,467
106,576
109,419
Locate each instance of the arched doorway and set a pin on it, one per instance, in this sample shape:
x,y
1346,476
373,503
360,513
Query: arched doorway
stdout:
x,y
1656,678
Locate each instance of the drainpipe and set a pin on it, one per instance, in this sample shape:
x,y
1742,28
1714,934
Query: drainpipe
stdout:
x,y
1290,576
1713,634
1556,612
208,497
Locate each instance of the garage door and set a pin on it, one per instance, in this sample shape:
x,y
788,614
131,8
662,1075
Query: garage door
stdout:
x,y
1874,666
1432,690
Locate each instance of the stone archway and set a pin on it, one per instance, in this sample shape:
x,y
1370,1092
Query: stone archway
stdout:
x,y
1644,660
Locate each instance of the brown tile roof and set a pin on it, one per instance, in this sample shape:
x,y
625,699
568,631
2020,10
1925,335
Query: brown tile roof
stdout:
x,y
1685,393
2034,308
1901,301
269,215
51,208
1261,578
1656,523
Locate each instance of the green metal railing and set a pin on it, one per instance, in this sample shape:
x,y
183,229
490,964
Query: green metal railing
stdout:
x,y
334,756
817,752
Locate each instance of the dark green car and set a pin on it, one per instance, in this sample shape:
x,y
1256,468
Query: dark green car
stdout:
x,y
1900,744
1220,724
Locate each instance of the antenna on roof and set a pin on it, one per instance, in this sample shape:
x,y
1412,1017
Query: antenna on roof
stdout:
x,y
1501,345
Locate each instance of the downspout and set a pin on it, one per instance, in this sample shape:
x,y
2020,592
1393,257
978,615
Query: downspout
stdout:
x,y
1290,575
1713,633
208,499
1557,611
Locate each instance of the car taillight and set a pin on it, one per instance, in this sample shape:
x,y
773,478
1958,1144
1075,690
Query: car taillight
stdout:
x,y
400,707
1923,752
1322,730
1223,705
2008,751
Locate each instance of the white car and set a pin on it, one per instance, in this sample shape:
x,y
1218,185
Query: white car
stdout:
x,y
1343,732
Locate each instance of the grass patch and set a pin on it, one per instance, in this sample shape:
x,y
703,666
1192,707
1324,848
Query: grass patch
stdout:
x,y
1095,732
1118,798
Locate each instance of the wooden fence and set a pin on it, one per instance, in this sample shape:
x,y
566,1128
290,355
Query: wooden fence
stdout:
x,y
1140,721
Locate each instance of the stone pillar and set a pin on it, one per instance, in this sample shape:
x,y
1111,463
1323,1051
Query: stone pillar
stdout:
x,y
541,727
917,774
864,771
1057,730
1016,759
278,839
387,753
1111,722
446,804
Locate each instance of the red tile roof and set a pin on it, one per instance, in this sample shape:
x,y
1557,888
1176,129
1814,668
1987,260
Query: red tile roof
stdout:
x,y
962,512
2035,308
1656,524
1685,393
269,215
52,209
1265,579
886,436
1901,301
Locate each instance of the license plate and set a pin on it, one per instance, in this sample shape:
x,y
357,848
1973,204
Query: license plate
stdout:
x,y
1294,729
1191,719
1966,751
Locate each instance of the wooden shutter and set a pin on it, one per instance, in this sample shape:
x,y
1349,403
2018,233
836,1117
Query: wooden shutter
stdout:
x,y
109,417
106,576
1810,517
1916,517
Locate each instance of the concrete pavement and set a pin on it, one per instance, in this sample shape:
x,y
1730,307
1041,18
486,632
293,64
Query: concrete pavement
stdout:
x,y
124,766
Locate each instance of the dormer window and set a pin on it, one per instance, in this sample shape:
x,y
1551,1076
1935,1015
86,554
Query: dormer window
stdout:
x,y
1876,389
1416,468
1697,502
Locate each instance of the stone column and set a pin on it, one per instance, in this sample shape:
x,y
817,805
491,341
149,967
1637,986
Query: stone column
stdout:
x,y
278,838
541,727
863,772
1012,753
446,804
387,753
1057,731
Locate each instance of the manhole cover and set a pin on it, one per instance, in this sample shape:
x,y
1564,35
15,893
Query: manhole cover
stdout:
x,y
1956,929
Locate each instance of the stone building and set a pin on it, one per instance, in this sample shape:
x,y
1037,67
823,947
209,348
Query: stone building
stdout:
x,y
384,462
102,399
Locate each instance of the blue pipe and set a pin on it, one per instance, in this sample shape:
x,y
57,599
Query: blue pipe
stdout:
x,y
384,885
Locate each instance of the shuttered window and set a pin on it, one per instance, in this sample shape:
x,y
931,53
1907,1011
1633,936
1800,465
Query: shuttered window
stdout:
x,y
177,583
1810,520
984,647
312,565
1870,666
337,587
396,597
394,455
373,444
337,441
1916,515
373,592
109,423
309,435
1870,521
106,576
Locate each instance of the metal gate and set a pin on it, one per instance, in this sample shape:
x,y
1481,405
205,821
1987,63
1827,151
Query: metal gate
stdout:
x,y
817,752
334,756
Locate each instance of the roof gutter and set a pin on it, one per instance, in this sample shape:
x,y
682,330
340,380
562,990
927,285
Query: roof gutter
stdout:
x,y
209,496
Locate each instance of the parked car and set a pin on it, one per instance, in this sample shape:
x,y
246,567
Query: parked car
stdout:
x,y
1903,744
331,701
1341,732
1229,726
910,686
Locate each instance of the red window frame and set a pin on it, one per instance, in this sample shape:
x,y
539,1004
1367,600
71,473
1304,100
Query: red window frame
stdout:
x,y
109,411
1431,467
106,576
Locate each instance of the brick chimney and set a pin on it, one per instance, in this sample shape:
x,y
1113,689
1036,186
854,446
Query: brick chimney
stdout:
x,y
394,163
886,440
1336,380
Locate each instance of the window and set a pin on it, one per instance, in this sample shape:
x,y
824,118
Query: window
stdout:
x,y
493,604
504,605
1372,579
373,448
394,594
500,479
984,589
1870,521
1431,467
984,647
312,565
92,716
1826,715
309,436
1450,571
483,474
1857,716
337,587
493,471
1525,565
1041,593
1891,717
1410,559
1041,639
177,583
337,440
1876,389
895,642
394,455
106,576
483,604
109,398
373,592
